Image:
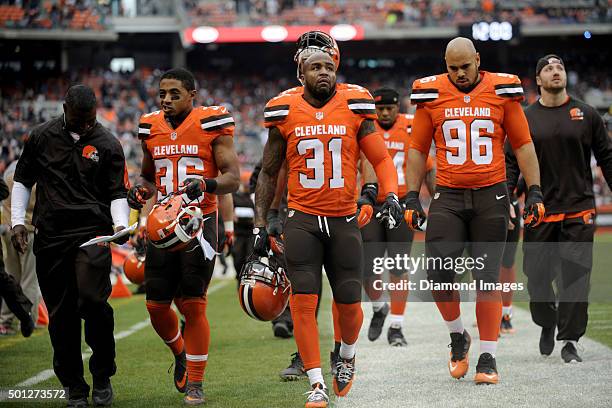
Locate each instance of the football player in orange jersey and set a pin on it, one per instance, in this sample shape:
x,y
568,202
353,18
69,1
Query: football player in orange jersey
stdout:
x,y
469,113
185,147
395,128
320,133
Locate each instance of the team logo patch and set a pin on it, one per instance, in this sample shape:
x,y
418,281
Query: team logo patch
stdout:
x,y
173,136
319,115
91,153
466,99
291,213
576,114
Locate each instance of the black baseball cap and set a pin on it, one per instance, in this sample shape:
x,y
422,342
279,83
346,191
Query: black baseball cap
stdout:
x,y
385,96
548,59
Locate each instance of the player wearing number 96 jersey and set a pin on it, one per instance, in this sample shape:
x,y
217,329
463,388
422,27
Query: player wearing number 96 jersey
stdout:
x,y
469,113
320,133
192,149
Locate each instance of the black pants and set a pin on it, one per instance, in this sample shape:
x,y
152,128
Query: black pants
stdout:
x,y
242,248
312,242
562,252
461,216
75,284
11,293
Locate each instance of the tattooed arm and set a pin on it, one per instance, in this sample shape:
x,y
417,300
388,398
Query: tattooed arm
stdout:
x,y
273,158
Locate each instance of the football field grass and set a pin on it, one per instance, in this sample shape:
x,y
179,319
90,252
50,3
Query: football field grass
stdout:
x,y
245,357
242,372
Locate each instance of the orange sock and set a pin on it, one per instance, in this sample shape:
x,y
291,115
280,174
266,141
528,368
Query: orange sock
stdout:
x,y
337,329
197,336
350,317
398,297
488,314
448,303
165,323
507,275
305,329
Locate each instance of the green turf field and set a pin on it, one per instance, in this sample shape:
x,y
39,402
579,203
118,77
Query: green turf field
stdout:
x,y
242,372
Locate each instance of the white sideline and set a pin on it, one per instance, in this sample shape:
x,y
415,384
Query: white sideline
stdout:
x,y
48,373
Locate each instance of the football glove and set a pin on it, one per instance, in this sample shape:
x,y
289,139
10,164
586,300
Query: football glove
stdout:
x,y
194,188
366,203
275,226
534,207
390,213
261,246
514,212
413,211
136,196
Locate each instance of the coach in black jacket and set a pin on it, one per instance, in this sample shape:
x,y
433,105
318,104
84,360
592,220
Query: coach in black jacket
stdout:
x,y
79,170
564,131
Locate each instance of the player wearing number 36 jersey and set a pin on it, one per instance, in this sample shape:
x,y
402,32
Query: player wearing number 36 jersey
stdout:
x,y
469,113
190,148
320,132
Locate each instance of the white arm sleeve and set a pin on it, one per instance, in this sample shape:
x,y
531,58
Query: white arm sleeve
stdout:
x,y
120,211
20,197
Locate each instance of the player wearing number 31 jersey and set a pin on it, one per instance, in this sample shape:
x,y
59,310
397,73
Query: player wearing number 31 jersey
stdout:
x,y
190,148
320,132
469,113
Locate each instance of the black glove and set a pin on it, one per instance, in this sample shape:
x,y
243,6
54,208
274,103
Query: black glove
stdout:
x,y
275,226
390,213
261,243
534,207
413,211
369,193
136,197
194,188
123,239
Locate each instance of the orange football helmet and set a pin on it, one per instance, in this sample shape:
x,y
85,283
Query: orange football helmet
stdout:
x,y
264,288
172,224
134,267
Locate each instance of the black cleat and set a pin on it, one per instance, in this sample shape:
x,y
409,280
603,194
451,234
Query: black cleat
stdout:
x,y
486,370
569,354
194,394
77,403
396,337
102,394
378,320
506,325
343,379
547,341
282,330
27,327
180,371
459,362
295,370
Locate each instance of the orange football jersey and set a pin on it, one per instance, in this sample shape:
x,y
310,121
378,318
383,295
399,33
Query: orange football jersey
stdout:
x,y
397,141
185,152
322,147
469,129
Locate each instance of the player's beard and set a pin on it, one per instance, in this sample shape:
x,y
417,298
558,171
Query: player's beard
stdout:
x,y
322,94
555,89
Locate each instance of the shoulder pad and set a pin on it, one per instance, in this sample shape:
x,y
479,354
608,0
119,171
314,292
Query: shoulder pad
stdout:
x,y
507,86
215,118
277,108
359,100
146,122
425,89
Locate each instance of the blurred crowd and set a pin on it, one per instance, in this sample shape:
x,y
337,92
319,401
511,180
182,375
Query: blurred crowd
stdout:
x,y
395,13
124,97
93,14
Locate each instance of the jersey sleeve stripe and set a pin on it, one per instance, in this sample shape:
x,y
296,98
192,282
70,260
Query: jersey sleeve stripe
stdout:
x,y
275,116
144,130
215,118
145,125
358,101
424,95
362,106
509,92
218,124
277,108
